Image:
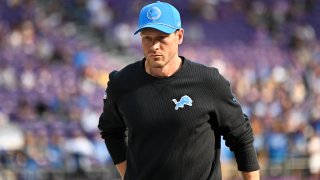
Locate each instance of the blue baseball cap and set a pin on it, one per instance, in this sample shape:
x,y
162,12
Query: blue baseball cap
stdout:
x,y
161,16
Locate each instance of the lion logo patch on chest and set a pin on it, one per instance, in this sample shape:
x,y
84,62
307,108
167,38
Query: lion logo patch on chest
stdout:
x,y
184,100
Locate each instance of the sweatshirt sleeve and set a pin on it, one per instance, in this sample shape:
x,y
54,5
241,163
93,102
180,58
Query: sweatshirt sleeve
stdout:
x,y
233,125
112,126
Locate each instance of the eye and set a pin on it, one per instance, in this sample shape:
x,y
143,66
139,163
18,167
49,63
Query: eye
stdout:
x,y
148,38
162,38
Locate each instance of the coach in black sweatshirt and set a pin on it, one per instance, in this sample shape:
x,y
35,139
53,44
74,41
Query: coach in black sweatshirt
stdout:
x,y
175,111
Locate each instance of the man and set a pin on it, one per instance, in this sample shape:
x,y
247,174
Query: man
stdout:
x,y
175,110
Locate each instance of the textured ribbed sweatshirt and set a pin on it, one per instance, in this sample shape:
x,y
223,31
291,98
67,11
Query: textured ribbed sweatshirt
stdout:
x,y
174,124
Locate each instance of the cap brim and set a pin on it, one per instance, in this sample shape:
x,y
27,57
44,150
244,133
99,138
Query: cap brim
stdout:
x,y
160,27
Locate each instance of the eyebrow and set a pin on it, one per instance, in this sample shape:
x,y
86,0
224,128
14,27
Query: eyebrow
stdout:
x,y
162,34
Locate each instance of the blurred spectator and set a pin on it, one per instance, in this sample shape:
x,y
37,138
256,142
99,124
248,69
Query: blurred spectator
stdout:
x,y
277,149
56,152
314,159
80,150
11,135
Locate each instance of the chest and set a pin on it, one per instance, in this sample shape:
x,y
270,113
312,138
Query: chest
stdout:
x,y
170,104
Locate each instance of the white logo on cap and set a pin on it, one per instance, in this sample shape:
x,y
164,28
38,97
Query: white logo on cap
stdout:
x,y
154,13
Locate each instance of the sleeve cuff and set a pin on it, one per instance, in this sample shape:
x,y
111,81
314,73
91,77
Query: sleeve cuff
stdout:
x,y
117,150
247,159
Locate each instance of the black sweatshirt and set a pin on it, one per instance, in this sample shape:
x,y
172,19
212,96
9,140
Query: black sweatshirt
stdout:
x,y
174,124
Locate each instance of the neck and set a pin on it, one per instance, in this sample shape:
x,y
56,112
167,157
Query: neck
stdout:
x,y
167,70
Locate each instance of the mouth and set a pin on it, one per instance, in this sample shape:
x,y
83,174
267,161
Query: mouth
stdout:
x,y
155,55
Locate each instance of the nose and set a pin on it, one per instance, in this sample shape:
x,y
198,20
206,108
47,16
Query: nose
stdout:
x,y
155,45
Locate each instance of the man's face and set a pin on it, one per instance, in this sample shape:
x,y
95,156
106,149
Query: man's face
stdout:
x,y
160,48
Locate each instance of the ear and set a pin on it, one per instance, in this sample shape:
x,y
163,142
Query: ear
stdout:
x,y
180,33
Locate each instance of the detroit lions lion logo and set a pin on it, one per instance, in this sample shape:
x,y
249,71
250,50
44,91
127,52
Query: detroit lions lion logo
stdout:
x,y
184,100
154,13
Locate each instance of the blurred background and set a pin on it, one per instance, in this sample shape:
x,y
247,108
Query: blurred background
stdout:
x,y
55,56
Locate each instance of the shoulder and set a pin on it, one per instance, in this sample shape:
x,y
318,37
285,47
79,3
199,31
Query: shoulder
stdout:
x,y
209,76
202,70
125,78
126,74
